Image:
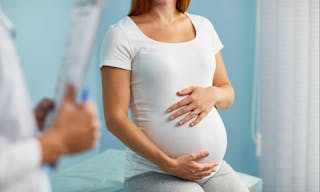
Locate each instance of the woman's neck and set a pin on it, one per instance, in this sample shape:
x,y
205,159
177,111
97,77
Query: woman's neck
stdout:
x,y
164,12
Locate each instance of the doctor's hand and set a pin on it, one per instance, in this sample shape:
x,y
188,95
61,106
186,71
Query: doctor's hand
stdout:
x,y
188,167
75,129
198,103
41,111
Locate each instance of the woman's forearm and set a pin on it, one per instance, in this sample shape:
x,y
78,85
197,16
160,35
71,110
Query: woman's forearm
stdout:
x,y
136,140
224,96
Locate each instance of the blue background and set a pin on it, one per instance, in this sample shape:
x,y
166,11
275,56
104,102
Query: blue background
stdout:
x,y
42,27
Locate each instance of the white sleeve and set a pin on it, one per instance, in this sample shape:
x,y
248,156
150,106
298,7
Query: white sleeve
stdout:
x,y
18,159
215,41
116,50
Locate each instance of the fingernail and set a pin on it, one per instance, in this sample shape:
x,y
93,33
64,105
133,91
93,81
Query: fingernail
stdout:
x,y
192,124
180,123
172,117
169,110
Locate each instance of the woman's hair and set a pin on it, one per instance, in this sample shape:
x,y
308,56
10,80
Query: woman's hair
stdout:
x,y
139,7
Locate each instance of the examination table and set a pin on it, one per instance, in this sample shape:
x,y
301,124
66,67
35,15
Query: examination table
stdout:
x,y
104,173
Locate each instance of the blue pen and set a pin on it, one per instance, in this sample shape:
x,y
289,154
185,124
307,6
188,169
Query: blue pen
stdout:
x,y
85,95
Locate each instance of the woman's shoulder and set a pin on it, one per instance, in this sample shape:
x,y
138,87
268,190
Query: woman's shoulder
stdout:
x,y
121,30
122,24
199,19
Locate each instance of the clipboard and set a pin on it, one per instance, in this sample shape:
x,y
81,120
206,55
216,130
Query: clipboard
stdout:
x,y
85,20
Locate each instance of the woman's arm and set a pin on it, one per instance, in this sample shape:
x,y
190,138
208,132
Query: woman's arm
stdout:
x,y
116,98
202,99
223,92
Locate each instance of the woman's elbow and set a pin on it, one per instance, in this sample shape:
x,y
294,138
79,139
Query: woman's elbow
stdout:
x,y
113,120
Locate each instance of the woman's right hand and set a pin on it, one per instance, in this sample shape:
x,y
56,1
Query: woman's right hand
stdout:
x,y
188,166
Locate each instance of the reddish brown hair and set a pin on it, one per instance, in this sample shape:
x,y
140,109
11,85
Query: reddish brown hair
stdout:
x,y
139,7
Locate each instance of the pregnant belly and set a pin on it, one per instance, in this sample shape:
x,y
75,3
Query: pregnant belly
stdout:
x,y
209,135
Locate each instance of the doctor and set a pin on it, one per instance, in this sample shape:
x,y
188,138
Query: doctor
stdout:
x,y
22,152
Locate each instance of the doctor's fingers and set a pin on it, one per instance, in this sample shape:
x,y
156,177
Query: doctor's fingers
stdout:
x,y
93,132
92,124
88,108
96,124
70,94
95,139
43,107
45,104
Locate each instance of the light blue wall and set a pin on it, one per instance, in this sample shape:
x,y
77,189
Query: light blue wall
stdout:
x,y
42,28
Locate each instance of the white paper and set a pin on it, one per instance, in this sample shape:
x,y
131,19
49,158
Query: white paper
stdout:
x,y
86,17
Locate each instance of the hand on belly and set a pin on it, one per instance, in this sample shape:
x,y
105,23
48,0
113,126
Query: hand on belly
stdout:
x,y
198,103
188,167
183,142
180,140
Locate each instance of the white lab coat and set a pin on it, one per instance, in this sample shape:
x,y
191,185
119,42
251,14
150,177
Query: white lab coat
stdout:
x,y
20,152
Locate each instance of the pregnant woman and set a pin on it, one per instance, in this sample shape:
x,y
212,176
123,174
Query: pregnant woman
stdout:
x,y
165,64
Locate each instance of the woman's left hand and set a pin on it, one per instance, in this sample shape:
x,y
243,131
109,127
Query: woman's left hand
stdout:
x,y
198,104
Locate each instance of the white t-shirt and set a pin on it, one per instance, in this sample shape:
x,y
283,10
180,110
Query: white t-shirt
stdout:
x,y
158,71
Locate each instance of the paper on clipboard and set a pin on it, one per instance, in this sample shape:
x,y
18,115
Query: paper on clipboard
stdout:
x,y
85,20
